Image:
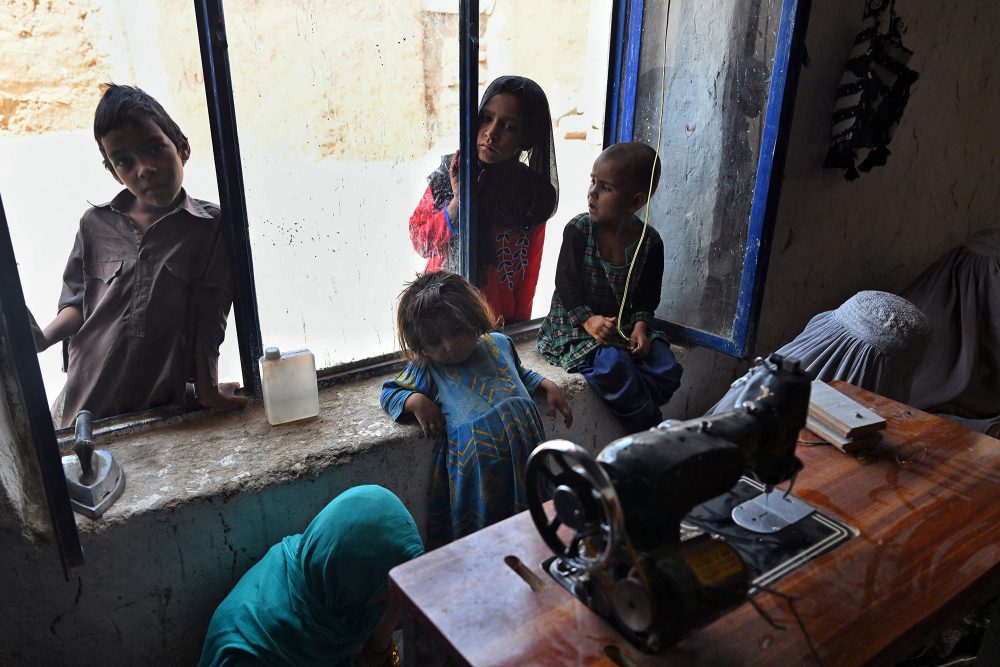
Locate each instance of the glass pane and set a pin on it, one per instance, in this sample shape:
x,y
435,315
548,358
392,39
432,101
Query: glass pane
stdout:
x,y
50,166
717,72
343,110
563,46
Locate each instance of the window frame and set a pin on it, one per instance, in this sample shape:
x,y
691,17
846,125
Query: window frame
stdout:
x,y
27,379
213,44
789,55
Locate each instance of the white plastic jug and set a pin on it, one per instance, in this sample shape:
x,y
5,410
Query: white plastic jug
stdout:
x,y
288,382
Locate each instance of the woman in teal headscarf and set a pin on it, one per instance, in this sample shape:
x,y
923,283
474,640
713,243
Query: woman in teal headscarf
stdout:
x,y
315,598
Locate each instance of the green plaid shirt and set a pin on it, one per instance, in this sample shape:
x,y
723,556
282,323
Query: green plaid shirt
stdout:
x,y
562,340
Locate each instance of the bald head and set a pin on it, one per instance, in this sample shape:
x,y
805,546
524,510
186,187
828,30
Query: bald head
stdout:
x,y
636,162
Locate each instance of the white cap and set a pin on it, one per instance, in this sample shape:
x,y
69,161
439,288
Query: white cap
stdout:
x,y
272,353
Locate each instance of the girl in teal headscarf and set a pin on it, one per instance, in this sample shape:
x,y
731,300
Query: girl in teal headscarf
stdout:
x,y
315,598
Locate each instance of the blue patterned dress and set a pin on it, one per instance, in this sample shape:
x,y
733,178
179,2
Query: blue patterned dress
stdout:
x,y
493,425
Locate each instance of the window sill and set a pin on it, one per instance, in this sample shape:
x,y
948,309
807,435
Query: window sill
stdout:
x,y
206,455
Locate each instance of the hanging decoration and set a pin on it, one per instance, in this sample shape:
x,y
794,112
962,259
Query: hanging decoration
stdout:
x,y
873,92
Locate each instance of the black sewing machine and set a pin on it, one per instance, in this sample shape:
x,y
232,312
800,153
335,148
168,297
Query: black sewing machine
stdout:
x,y
661,534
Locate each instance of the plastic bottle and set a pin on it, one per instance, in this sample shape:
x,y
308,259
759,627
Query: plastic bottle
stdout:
x,y
289,385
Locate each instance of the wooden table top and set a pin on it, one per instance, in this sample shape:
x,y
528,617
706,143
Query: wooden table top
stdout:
x,y
926,505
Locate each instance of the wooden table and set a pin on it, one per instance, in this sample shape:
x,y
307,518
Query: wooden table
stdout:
x,y
927,506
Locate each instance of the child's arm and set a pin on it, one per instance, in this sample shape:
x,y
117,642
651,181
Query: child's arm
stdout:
x,y
69,319
534,383
412,392
646,298
428,414
557,402
434,222
430,229
211,313
66,323
569,285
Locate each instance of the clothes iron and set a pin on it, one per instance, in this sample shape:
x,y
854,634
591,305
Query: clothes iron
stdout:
x,y
94,478
628,531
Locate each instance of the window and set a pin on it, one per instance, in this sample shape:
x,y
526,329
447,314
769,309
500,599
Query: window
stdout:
x,y
46,131
341,117
324,125
340,123
713,83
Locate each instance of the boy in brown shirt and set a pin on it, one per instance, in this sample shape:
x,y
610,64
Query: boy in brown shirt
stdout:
x,y
147,288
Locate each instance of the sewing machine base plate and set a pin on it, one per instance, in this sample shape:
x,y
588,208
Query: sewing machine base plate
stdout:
x,y
768,556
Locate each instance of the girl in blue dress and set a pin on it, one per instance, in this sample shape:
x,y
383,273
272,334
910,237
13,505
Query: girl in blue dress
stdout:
x,y
468,390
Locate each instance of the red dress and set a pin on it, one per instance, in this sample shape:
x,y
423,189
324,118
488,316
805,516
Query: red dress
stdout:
x,y
510,253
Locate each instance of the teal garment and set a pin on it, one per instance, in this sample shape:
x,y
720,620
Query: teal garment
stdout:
x,y
493,426
310,599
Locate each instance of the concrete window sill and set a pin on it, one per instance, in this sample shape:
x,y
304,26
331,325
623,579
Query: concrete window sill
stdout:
x,y
221,455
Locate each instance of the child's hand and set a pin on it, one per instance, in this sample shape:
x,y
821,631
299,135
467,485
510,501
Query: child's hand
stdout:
x,y
428,414
453,176
638,342
223,396
41,342
601,328
556,401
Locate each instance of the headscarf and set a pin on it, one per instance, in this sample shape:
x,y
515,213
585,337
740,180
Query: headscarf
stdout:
x,y
540,191
874,340
960,294
311,598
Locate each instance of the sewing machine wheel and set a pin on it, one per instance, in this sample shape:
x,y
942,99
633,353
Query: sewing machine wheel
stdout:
x,y
584,499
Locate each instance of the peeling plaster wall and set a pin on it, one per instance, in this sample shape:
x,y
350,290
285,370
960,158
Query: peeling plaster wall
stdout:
x,y
834,238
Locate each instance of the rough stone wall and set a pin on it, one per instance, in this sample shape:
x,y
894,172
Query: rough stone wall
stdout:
x,y
43,91
343,79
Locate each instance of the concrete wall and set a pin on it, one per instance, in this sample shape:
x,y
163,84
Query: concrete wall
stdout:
x,y
834,238
205,497
157,567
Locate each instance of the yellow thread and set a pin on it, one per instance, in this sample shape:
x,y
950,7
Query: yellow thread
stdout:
x,y
649,192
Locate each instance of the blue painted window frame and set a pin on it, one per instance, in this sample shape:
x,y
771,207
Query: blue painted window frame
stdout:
x,y
788,57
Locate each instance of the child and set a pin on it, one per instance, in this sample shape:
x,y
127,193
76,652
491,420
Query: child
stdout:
x,y
636,372
467,389
317,597
518,192
147,287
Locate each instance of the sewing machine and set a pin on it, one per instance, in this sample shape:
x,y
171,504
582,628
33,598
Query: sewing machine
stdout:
x,y
660,534
924,508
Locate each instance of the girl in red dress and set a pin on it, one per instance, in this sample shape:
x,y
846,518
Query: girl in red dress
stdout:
x,y
518,191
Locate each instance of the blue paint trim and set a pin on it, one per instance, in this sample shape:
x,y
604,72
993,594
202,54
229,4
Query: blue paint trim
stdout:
x,y
770,166
680,333
229,173
616,52
468,125
27,379
789,50
630,73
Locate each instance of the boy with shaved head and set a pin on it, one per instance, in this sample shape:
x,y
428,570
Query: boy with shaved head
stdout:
x,y
605,252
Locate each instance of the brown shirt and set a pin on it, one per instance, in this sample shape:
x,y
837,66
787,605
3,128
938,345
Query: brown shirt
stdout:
x,y
154,307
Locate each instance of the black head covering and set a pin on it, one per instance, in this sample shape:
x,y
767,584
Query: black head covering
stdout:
x,y
539,196
541,151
